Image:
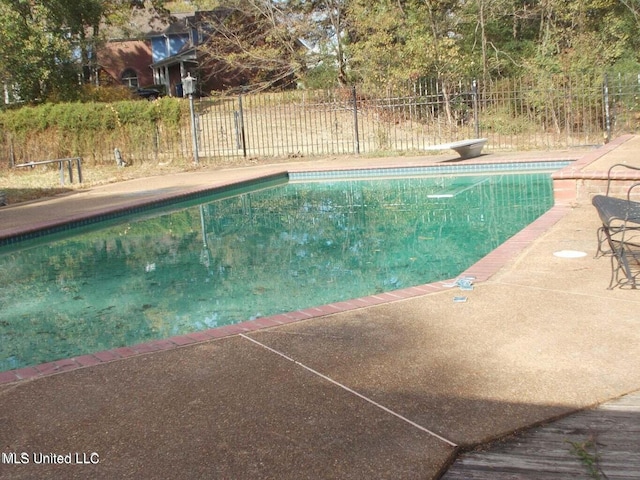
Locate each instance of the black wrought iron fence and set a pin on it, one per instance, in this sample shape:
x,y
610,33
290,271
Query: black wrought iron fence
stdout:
x,y
277,124
514,114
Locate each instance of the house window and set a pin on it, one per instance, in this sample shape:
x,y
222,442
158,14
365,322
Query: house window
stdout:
x,y
129,78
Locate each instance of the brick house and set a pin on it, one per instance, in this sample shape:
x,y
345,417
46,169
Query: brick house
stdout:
x,y
162,55
174,53
177,50
167,52
126,62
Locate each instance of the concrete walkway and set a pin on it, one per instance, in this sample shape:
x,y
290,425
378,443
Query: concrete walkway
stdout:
x,y
395,390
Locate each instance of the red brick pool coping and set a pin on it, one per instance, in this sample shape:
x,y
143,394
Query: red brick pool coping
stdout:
x,y
481,270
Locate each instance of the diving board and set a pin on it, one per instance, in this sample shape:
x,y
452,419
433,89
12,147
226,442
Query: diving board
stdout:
x,y
465,148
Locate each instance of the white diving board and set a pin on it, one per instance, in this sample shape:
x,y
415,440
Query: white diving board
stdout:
x,y
464,148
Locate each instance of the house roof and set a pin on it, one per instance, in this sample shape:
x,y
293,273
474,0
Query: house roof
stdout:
x,y
141,23
180,23
147,23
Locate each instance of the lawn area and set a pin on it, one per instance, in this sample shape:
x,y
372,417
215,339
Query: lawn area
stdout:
x,y
28,184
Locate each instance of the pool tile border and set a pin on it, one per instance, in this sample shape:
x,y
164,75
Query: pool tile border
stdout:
x,y
486,166
481,270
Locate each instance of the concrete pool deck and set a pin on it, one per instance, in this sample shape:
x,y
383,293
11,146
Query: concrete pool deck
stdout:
x,y
389,390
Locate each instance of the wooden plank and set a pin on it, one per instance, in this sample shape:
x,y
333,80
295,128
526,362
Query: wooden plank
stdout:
x,y
549,451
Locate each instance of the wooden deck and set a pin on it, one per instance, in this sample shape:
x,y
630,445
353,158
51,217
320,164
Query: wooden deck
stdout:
x,y
603,443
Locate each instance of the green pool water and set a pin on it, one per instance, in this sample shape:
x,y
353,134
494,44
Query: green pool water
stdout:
x,y
250,255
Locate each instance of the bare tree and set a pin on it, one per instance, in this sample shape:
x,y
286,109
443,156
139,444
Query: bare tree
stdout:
x,y
254,43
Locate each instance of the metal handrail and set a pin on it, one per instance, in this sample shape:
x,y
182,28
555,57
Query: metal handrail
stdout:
x,y
60,161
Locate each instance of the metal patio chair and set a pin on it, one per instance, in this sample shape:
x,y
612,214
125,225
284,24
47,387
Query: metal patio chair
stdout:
x,y
619,235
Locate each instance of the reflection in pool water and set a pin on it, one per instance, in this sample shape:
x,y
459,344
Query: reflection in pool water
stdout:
x,y
251,255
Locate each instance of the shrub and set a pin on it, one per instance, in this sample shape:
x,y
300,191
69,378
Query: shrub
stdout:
x,y
91,129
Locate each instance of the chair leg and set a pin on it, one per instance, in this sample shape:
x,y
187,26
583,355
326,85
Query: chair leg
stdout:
x,y
600,234
619,259
621,273
614,273
626,267
620,265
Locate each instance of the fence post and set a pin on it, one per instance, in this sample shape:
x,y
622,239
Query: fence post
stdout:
x,y
61,170
476,120
12,154
240,127
156,141
79,160
194,132
354,98
70,168
607,114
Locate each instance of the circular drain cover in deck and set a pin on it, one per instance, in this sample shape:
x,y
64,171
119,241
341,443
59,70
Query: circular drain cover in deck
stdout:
x,y
570,254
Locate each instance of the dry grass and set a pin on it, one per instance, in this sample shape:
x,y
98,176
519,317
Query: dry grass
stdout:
x,y
29,184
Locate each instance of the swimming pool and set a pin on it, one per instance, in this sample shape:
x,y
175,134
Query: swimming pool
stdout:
x,y
237,255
